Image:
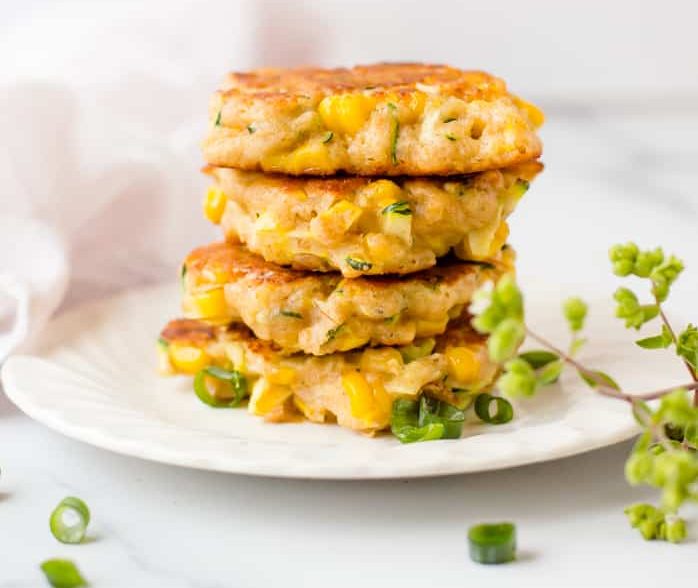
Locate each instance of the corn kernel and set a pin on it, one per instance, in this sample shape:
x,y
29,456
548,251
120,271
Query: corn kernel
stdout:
x,y
214,204
383,402
499,238
399,225
308,158
360,395
427,328
283,376
383,360
382,193
416,104
535,114
380,247
463,364
346,113
341,216
187,359
210,304
266,397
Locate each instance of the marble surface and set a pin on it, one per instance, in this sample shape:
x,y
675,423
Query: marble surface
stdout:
x,y
627,171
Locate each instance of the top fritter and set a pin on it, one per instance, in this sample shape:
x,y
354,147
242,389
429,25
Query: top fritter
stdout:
x,y
384,119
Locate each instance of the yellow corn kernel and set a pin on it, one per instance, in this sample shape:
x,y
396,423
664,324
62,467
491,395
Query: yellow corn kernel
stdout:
x,y
266,397
360,395
283,376
214,204
187,359
210,304
399,225
535,114
341,216
346,113
309,157
380,247
463,364
499,238
382,193
426,328
383,402
301,406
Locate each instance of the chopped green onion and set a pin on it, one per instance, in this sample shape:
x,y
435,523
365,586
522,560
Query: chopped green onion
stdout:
x,y
417,349
332,333
433,411
394,132
504,411
251,129
492,543
358,264
291,313
163,343
410,434
449,119
217,122
451,137
232,382
328,137
62,573
401,207
69,520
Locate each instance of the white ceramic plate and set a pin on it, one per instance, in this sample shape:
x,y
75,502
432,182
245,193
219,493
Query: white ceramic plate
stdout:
x,y
93,378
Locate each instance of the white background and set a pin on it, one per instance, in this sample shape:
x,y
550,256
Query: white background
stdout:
x,y
101,107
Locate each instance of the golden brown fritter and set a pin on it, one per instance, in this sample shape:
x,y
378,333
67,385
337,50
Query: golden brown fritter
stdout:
x,y
383,119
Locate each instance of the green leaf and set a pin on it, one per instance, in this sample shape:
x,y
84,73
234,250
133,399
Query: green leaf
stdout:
x,y
62,573
687,346
656,342
596,378
577,344
550,373
217,122
538,358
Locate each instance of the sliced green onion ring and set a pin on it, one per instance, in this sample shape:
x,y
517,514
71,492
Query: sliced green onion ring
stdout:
x,y
69,520
62,573
411,434
234,385
492,543
504,411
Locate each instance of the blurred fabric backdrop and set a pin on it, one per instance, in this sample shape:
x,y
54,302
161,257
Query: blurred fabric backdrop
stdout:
x,y
102,105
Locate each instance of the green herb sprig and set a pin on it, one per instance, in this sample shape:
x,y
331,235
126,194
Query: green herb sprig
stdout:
x,y
666,453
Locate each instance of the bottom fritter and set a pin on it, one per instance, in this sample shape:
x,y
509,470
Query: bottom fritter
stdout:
x,y
355,388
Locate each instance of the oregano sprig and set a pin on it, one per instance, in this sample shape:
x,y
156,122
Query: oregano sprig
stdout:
x,y
665,455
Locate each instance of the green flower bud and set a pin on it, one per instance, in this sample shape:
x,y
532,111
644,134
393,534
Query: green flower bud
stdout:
x,y
675,529
619,252
646,261
623,268
575,311
638,468
649,529
508,295
519,379
637,513
687,346
505,339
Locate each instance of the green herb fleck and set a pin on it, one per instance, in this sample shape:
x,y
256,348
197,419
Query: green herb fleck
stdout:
x,y
291,314
394,132
251,129
401,207
451,137
217,122
449,119
328,137
164,343
358,264
332,333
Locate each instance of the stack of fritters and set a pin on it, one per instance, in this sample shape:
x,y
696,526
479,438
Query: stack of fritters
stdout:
x,y
361,209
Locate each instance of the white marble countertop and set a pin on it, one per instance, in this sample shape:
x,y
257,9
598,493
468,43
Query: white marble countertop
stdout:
x,y
626,173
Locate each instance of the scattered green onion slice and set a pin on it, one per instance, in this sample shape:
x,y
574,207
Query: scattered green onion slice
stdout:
x,y
217,123
451,137
332,333
62,573
233,382
358,264
328,137
410,434
290,313
401,207
433,411
251,129
504,411
69,520
492,543
394,132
